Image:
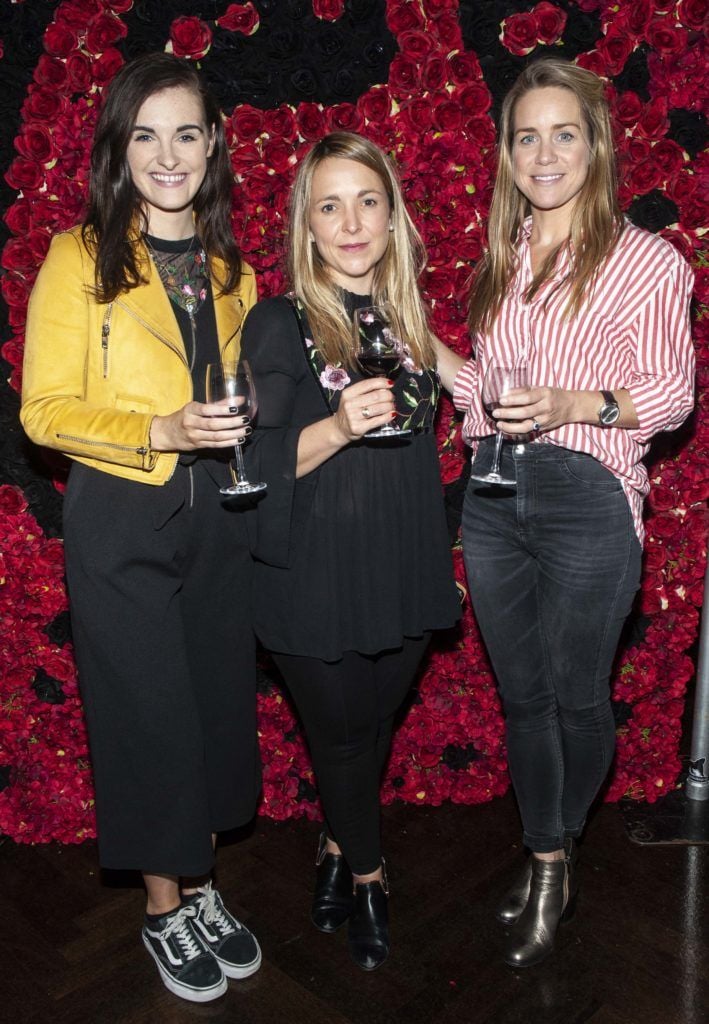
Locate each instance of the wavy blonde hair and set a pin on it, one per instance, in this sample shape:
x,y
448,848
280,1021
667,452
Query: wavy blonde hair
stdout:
x,y
596,222
395,276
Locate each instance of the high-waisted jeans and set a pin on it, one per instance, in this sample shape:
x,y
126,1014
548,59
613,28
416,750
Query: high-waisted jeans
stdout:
x,y
552,566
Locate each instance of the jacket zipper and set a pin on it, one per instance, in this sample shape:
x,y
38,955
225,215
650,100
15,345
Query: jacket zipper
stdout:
x,y
102,444
155,334
105,332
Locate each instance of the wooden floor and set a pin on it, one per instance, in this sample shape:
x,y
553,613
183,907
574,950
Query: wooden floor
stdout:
x,y
636,953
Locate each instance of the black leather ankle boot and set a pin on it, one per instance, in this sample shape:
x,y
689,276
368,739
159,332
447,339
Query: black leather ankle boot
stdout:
x,y
531,938
515,899
332,901
368,933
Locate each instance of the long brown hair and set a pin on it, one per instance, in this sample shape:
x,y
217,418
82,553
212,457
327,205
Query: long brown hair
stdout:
x,y
596,222
115,219
395,276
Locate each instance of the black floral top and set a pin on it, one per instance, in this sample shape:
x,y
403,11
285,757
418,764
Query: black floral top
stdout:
x,y
354,555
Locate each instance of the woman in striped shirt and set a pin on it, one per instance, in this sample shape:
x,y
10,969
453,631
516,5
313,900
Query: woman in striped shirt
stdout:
x,y
597,309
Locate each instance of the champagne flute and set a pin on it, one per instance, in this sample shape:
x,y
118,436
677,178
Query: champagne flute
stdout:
x,y
233,380
498,380
379,350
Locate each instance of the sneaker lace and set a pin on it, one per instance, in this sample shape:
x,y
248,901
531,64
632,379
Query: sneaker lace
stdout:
x,y
213,911
179,927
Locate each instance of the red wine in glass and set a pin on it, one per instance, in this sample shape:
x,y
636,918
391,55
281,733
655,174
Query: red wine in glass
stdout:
x,y
498,381
379,350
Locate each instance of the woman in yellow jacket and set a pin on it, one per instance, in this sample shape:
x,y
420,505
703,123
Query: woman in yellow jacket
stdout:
x,y
128,310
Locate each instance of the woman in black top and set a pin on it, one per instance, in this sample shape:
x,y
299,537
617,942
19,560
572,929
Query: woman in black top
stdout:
x,y
354,568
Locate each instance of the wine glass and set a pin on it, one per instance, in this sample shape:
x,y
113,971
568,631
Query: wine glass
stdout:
x,y
379,350
498,381
233,380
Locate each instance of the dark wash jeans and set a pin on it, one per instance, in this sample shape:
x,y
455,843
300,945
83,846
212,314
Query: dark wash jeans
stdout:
x,y
552,566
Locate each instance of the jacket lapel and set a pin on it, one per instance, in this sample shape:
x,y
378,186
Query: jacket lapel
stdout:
x,y
229,311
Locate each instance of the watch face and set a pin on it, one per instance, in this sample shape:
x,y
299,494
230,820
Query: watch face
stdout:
x,y
609,414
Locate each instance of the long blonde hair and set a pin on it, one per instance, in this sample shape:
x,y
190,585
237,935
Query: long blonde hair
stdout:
x,y
395,276
596,222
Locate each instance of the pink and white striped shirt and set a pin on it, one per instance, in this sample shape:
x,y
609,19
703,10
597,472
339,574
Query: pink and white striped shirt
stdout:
x,y
632,332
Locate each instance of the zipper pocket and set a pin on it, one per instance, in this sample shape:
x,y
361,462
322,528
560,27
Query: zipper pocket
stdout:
x,y
102,444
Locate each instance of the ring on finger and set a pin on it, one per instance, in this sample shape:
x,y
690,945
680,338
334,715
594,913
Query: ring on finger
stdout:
x,y
536,426
366,413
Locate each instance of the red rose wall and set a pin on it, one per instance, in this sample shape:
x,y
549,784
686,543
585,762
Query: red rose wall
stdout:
x,y
432,113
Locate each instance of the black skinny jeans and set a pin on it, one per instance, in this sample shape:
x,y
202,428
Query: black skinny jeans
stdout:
x,y
348,708
552,566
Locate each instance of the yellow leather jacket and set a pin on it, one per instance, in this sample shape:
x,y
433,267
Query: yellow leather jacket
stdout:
x,y
95,374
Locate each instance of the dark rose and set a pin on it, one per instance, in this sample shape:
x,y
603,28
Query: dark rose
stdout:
x,y
434,74
464,68
242,18
688,128
404,75
474,98
105,66
667,40
278,155
78,13
311,121
693,13
190,37
79,72
19,217
304,82
35,143
59,40
519,33
628,108
375,105
653,211
404,16
345,117
416,44
550,22
653,122
103,31
328,10
447,115
280,123
25,175
50,71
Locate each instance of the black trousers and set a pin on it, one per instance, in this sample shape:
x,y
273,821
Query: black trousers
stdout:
x,y
159,587
348,708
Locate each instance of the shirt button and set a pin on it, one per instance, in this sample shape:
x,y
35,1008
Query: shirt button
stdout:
x,y
519,449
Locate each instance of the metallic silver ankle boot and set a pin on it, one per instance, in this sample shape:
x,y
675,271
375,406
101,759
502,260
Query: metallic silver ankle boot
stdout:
x,y
515,899
531,938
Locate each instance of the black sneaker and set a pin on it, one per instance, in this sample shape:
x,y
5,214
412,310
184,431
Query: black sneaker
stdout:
x,y
231,944
186,966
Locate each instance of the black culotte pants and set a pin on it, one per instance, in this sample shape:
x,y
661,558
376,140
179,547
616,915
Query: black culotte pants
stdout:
x,y
159,586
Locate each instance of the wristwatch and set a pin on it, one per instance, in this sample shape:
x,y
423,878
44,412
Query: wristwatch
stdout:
x,y
609,411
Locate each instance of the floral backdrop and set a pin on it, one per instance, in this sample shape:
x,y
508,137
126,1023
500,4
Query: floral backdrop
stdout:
x,y
423,79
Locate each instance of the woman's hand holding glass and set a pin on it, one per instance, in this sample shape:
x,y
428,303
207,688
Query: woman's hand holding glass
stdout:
x,y
198,425
364,406
524,409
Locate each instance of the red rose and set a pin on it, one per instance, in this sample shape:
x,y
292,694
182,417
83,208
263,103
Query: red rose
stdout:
x,y
628,108
328,10
474,98
592,61
482,131
242,18
667,39
15,290
404,76
447,115
615,48
416,44
103,31
35,143
434,74
50,71
403,16
59,40
77,13
653,122
106,65
464,68
43,104
79,72
190,37
375,105
344,117
550,22
24,175
447,28
643,178
120,6
311,121
669,156
637,16
693,13
12,500
247,121
680,239
280,123
417,114
278,155
19,217
519,33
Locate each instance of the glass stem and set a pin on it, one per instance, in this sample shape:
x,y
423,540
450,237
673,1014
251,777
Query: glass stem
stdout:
x,y
240,467
496,458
